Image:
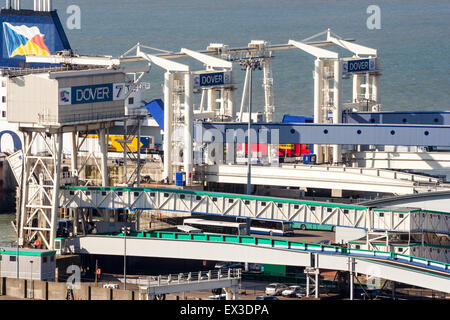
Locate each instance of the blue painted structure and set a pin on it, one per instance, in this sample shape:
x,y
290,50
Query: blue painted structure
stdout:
x,y
48,24
156,109
421,117
297,119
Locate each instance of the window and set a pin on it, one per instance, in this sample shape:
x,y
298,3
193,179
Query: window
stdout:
x,y
182,196
381,214
296,206
44,259
400,215
263,204
247,201
313,208
52,258
345,211
198,198
103,193
329,209
3,84
3,99
131,100
166,195
120,193
152,194
280,205
400,249
358,246
230,200
136,194
4,114
12,258
214,199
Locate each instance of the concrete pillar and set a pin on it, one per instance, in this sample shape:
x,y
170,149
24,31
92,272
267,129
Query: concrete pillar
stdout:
x,y
188,157
375,89
318,99
168,116
104,156
138,182
211,102
337,112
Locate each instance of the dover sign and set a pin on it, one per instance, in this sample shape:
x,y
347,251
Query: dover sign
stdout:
x,y
361,65
212,79
91,94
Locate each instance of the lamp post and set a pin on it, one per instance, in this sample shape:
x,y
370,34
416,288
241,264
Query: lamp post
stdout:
x,y
250,64
31,279
125,231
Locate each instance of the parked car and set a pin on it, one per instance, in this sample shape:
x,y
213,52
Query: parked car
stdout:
x,y
266,298
111,286
275,289
293,290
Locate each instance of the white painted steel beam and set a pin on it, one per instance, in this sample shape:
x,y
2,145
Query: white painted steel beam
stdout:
x,y
166,64
208,60
312,50
353,47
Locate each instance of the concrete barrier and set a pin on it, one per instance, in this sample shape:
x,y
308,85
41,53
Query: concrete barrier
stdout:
x,y
16,288
83,293
42,290
57,291
101,293
122,294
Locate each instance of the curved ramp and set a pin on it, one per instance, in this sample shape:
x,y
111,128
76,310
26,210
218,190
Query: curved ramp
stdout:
x,y
396,267
435,201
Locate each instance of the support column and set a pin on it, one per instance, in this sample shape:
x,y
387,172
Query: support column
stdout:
x,y
168,116
318,98
211,103
337,112
268,91
138,183
356,87
188,158
74,155
56,184
104,156
375,89
231,96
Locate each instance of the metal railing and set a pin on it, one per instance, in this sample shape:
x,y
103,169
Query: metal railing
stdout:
x,y
190,278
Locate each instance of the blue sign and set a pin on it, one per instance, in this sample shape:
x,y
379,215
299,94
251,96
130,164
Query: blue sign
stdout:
x,y
16,140
212,79
362,65
92,94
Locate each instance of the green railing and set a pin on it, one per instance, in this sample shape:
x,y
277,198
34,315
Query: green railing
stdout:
x,y
282,244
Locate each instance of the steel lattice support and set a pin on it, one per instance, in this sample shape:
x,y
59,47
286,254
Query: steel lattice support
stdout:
x,y
40,190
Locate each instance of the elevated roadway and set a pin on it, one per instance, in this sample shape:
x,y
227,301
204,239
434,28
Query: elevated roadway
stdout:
x,y
438,201
391,266
324,177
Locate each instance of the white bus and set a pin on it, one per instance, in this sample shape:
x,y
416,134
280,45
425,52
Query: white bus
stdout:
x,y
218,227
269,227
